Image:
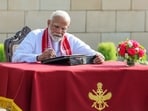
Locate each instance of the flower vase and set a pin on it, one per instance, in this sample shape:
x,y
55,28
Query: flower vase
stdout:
x,y
130,62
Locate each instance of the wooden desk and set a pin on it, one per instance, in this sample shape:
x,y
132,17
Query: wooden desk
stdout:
x,y
37,87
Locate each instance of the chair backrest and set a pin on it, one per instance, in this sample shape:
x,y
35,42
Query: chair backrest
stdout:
x,y
12,43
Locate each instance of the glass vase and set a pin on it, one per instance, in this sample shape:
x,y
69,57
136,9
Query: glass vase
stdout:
x,y
130,62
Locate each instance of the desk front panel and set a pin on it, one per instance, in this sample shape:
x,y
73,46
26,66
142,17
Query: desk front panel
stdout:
x,y
37,87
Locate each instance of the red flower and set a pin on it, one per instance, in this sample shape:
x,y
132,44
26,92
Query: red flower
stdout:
x,y
141,53
122,49
135,44
131,51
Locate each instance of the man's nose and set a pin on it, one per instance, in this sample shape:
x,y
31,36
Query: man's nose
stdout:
x,y
59,30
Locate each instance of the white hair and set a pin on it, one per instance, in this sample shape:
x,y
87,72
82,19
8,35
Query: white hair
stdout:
x,y
60,13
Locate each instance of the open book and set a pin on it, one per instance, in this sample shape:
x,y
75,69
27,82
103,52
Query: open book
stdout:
x,y
70,60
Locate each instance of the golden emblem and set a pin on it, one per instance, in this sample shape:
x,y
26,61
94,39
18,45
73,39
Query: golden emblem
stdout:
x,y
9,104
99,97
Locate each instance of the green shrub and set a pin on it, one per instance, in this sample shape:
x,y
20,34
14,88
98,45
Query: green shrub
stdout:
x,y
2,53
108,49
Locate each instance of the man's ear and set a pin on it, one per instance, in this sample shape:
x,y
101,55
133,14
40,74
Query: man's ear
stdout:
x,y
48,22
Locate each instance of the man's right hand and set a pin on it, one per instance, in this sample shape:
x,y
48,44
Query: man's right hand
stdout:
x,y
48,53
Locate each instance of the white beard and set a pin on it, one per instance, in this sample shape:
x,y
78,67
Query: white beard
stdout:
x,y
55,37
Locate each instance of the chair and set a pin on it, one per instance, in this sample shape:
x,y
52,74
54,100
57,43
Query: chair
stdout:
x,y
12,43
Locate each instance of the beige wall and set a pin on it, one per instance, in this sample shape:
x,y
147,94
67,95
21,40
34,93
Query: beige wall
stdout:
x,y
93,21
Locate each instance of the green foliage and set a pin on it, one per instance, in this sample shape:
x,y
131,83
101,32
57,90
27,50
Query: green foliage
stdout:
x,y
108,49
143,60
144,57
2,53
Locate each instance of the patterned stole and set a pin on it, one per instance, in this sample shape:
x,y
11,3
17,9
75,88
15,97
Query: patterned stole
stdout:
x,y
64,44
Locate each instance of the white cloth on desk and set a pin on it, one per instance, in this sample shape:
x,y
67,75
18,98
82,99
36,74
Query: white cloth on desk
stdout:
x,y
31,46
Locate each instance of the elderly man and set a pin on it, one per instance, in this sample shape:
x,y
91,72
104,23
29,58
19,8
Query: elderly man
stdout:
x,y
54,41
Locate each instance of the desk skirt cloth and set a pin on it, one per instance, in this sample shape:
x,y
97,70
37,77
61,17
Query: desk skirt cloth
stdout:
x,y
111,86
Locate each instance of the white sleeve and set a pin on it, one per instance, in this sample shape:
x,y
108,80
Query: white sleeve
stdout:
x,y
26,51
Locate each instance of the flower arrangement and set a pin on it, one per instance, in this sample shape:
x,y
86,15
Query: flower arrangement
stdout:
x,y
131,51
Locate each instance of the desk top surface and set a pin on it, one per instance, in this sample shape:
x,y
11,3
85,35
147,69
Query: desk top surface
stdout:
x,y
109,65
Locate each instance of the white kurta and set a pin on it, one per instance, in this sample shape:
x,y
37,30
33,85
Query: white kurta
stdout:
x,y
31,47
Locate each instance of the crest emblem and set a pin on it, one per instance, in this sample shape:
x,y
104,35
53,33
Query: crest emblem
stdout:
x,y
99,97
9,104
